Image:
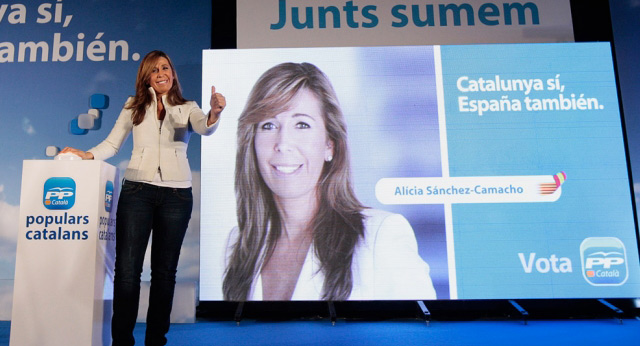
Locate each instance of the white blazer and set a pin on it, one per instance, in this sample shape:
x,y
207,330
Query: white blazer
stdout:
x,y
155,146
386,265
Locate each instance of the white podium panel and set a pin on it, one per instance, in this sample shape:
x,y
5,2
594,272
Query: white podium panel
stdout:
x,y
63,285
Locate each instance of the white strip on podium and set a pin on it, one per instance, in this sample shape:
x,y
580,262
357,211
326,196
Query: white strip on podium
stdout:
x,y
63,285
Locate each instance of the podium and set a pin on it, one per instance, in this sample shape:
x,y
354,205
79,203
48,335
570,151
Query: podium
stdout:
x,y
65,256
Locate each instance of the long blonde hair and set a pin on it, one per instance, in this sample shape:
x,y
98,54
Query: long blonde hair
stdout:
x,y
337,226
143,97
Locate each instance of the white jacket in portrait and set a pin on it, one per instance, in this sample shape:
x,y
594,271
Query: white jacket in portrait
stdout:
x,y
386,264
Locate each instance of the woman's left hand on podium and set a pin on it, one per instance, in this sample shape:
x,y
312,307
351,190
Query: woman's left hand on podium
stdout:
x,y
85,155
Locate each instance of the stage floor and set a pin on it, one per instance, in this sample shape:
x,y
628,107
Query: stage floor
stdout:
x,y
406,332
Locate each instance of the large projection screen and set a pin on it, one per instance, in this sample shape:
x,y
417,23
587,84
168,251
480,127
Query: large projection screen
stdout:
x,y
488,172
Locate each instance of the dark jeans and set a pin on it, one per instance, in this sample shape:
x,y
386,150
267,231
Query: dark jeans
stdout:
x,y
141,208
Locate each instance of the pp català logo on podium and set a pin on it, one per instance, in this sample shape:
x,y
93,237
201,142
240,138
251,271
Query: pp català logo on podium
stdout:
x,y
108,196
59,193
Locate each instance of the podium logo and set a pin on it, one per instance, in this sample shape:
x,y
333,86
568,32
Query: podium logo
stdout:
x,y
604,261
108,196
59,193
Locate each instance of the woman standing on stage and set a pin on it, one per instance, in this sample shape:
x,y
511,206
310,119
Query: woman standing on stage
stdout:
x,y
156,193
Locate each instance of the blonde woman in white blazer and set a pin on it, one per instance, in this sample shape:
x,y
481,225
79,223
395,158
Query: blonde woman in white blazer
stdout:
x,y
156,194
302,232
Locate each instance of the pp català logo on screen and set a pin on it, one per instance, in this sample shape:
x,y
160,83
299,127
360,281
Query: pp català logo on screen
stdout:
x,y
59,193
604,261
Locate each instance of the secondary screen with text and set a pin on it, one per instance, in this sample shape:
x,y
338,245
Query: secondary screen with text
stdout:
x,y
507,161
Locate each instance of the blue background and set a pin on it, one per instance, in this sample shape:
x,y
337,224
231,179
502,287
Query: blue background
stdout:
x,y
39,99
588,145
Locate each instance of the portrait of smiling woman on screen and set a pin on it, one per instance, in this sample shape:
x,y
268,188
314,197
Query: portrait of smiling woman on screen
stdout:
x,y
302,233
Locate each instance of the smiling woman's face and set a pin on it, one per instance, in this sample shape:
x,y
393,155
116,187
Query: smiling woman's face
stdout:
x,y
292,146
161,78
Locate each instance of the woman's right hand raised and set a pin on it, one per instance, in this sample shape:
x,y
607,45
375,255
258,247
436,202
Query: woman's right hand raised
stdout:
x,y
85,155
